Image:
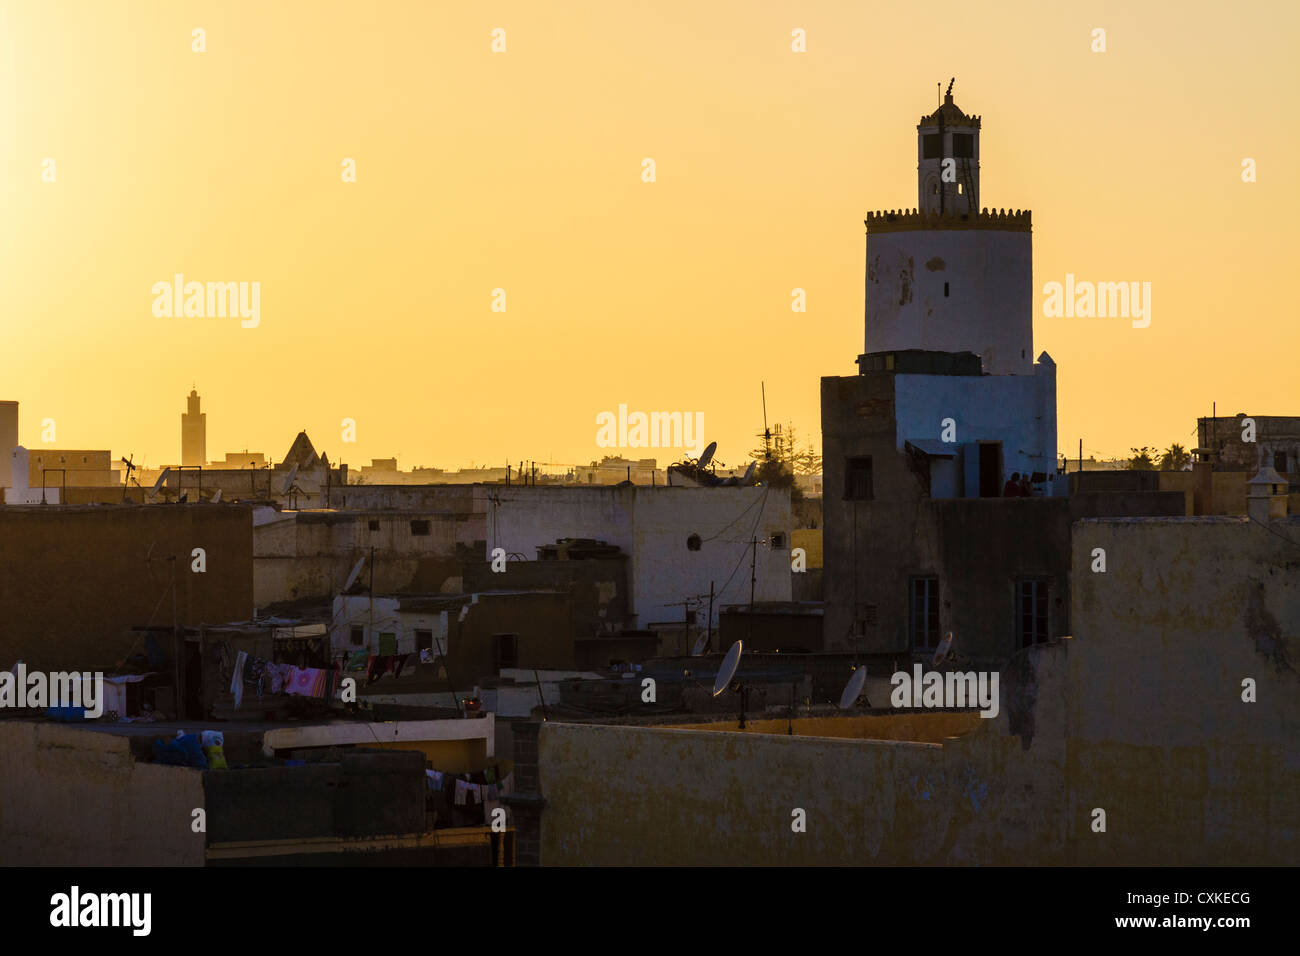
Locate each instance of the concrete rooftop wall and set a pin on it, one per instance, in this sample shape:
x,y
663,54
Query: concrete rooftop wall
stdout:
x,y
72,797
1139,714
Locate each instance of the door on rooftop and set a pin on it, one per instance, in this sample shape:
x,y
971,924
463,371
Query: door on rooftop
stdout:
x,y
505,651
990,469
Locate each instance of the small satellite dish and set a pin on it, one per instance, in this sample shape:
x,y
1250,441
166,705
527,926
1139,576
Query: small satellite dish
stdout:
x,y
159,483
355,573
749,472
728,669
853,689
943,650
700,643
216,496
288,480
707,456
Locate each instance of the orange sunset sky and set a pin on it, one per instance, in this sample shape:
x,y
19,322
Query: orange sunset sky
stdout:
x,y
522,171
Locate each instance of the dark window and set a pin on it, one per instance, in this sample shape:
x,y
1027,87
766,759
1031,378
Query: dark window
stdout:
x,y
990,465
693,543
423,640
358,635
505,650
963,145
857,479
374,525
1279,462
924,616
778,540
931,146
419,527
1031,611
945,290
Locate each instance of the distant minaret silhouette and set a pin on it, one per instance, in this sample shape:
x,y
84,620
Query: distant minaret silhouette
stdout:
x,y
194,433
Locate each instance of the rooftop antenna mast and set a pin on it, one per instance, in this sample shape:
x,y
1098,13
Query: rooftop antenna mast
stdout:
x,y
130,467
767,435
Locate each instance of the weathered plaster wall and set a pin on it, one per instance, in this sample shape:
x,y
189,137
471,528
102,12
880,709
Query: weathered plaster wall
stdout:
x,y
975,546
1273,434
310,554
598,586
652,526
461,499
75,580
1017,410
1160,736
71,797
634,795
989,306
1139,714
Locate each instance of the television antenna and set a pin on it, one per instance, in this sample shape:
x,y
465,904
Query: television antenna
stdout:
x,y
130,467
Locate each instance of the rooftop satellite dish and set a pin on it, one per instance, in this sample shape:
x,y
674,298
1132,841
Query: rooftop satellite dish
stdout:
x,y
354,573
707,456
157,485
853,689
700,643
728,669
943,650
216,496
288,480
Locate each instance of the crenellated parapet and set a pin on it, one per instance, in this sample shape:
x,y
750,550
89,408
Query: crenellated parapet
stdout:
x,y
904,220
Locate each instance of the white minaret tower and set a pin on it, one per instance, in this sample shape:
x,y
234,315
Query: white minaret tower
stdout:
x,y
948,160
949,276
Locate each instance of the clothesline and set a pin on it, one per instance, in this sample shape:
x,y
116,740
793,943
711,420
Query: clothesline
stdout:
x,y
263,676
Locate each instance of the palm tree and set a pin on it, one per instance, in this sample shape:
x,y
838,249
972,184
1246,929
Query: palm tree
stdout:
x,y
1143,459
1175,458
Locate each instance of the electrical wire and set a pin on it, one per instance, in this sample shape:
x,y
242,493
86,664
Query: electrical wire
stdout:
x,y
753,531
